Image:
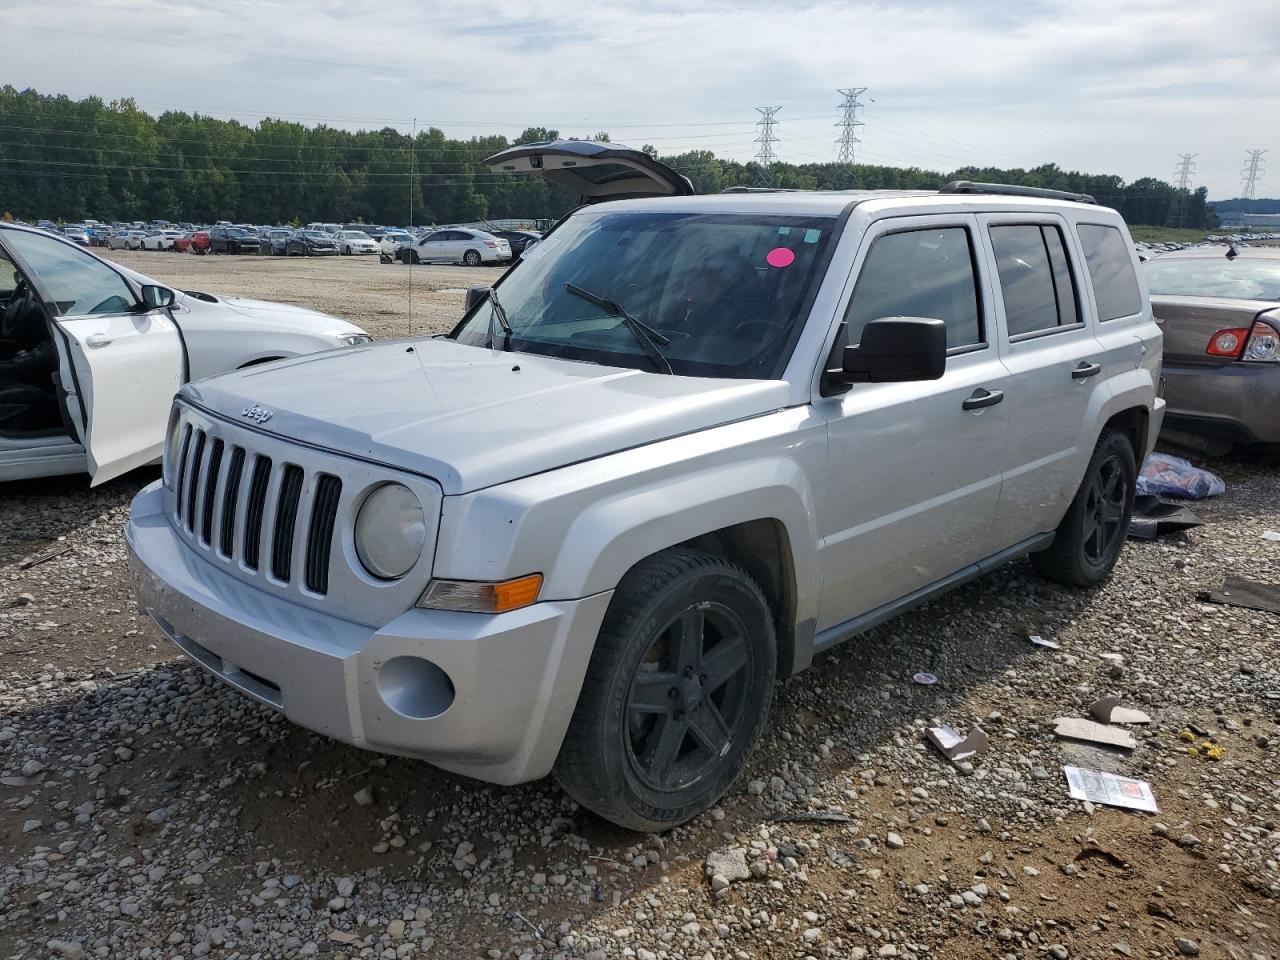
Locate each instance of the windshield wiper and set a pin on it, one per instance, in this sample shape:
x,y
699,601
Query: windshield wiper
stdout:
x,y
497,313
645,335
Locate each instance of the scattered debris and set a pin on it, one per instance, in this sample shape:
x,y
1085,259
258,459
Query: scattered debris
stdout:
x,y
342,936
1040,641
1153,517
1074,728
1162,474
925,679
728,866
812,816
44,557
1271,535
1108,710
1206,749
1237,592
1098,787
955,747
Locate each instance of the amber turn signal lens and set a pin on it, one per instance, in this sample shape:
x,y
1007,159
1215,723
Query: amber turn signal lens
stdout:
x,y
516,593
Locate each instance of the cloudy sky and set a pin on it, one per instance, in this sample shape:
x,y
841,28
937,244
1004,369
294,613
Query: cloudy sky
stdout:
x,y
1106,86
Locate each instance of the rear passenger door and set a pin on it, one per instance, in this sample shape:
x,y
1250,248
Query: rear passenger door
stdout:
x,y
435,246
914,468
1055,364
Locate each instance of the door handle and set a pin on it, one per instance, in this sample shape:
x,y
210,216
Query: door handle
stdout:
x,y
1086,370
97,339
981,398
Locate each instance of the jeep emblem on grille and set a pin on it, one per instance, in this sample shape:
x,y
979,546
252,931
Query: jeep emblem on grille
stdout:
x,y
256,413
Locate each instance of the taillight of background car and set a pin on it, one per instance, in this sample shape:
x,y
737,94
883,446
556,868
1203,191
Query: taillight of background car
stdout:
x,y
1261,342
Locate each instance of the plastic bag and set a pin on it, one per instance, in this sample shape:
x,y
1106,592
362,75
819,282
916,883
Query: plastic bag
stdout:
x,y
1163,475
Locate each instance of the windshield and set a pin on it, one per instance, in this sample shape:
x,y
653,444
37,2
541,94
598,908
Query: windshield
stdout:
x,y
726,290
315,235
354,235
1243,278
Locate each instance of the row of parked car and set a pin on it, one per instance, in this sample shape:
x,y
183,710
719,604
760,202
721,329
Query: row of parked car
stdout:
x,y
468,245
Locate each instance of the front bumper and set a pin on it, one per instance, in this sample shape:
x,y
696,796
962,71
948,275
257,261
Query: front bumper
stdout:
x,y
515,677
1235,402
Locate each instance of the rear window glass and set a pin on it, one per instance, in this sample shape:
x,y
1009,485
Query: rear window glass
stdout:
x,y
1243,278
1035,278
1115,285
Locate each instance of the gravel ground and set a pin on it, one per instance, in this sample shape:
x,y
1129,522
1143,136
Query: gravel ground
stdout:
x,y
146,811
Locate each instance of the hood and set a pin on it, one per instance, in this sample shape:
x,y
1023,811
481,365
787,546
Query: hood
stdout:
x,y
470,417
597,171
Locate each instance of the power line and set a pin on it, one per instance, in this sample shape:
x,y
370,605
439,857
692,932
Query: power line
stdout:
x,y
765,157
1252,173
849,124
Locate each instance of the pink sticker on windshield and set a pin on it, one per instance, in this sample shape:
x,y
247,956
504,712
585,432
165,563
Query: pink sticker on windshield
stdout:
x,y
780,257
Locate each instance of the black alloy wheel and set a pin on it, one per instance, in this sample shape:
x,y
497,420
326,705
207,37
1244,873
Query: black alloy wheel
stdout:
x,y
687,699
676,693
1104,510
1088,540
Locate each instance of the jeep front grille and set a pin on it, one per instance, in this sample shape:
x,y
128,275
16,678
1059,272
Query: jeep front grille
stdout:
x,y
279,515
207,497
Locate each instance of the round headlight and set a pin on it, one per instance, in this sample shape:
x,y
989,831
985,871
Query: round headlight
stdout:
x,y
390,531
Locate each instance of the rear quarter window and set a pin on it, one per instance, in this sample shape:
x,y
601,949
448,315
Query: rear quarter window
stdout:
x,y
1115,285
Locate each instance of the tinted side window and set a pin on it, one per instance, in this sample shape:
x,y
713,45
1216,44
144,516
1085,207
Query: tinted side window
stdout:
x,y
78,283
1035,278
439,235
1115,285
919,273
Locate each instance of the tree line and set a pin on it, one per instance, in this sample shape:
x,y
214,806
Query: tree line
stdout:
x,y
66,159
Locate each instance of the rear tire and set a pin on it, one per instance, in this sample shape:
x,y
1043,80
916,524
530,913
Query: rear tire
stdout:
x,y
471,258
1088,541
676,693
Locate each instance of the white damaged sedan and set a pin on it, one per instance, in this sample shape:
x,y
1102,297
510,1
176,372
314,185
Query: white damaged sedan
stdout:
x,y
91,354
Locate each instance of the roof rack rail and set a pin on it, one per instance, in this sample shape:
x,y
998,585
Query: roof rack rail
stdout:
x,y
1014,190
761,190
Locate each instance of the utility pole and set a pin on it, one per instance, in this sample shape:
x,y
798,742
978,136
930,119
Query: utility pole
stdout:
x,y
1252,172
765,156
849,124
1177,215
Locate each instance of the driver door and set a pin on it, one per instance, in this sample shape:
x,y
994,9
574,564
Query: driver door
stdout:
x,y
119,362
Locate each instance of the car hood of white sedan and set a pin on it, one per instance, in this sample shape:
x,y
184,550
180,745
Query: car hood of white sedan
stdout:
x,y
470,417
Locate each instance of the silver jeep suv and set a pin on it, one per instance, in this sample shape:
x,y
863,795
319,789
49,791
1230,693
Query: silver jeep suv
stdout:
x,y
685,444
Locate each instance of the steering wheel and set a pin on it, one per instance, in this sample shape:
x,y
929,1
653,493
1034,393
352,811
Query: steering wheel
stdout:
x,y
19,304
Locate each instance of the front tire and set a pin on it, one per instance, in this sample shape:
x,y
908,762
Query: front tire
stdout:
x,y
676,693
1087,542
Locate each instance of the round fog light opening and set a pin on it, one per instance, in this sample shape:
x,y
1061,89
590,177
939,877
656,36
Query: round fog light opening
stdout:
x,y
415,688
390,531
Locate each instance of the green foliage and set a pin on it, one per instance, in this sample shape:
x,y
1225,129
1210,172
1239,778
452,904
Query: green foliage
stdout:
x,y
65,159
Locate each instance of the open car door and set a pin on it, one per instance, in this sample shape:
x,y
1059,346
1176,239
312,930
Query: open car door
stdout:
x,y
596,171
120,359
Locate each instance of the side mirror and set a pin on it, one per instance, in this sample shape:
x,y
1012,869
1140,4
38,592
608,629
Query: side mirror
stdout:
x,y
896,350
156,296
528,247
476,295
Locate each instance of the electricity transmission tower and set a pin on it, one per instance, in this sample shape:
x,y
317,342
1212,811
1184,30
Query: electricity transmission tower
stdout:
x,y
849,124
765,157
1252,172
1177,215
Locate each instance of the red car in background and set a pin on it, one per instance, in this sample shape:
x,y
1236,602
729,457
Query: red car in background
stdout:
x,y
197,241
